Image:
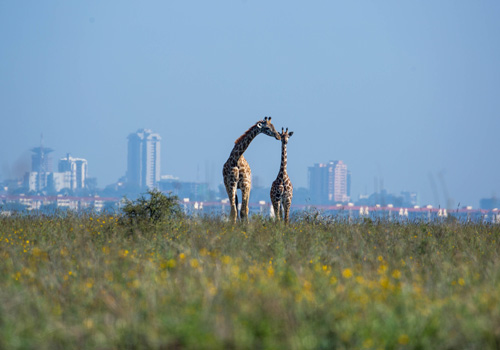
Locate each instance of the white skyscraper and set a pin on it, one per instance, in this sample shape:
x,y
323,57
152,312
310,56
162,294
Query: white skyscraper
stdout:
x,y
337,181
143,161
77,169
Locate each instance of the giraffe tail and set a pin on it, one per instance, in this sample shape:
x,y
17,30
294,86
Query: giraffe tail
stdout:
x,y
236,201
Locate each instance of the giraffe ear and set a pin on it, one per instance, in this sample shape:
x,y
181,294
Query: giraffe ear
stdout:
x,y
290,133
259,125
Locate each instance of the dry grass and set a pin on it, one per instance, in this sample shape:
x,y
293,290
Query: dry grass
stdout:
x,y
92,282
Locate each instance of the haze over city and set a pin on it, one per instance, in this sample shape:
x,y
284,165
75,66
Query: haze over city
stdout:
x,y
406,94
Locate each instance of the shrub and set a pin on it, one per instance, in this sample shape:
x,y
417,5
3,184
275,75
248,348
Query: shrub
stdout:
x,y
154,209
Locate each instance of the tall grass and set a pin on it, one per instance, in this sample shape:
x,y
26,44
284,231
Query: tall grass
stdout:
x,y
77,282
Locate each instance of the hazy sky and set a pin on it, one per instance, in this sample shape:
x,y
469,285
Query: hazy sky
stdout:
x,y
406,92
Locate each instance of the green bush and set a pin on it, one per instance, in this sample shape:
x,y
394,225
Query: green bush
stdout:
x,y
154,208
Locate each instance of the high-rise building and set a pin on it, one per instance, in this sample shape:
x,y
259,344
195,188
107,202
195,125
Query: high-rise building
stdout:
x,y
340,181
41,166
41,161
72,172
143,161
77,169
318,183
349,184
329,182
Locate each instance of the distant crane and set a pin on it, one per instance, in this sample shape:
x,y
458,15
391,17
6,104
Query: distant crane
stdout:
x,y
449,201
434,189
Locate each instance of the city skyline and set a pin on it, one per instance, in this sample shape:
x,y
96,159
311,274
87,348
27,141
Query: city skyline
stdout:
x,y
328,183
402,92
144,171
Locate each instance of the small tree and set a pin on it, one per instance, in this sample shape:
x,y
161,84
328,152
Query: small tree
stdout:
x,y
157,208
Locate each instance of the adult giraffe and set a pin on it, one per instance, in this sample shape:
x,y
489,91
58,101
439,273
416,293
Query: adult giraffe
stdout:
x,y
236,171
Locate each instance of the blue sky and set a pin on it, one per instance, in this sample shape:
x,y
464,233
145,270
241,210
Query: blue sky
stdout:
x,y
401,91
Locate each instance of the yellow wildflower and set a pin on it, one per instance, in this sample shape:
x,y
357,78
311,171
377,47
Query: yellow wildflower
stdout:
x,y
90,283
347,273
194,263
270,271
382,269
384,282
403,339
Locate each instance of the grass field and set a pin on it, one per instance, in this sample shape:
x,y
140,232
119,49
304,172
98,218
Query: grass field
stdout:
x,y
96,282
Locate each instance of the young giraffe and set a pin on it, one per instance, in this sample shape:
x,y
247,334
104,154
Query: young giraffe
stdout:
x,y
236,171
282,189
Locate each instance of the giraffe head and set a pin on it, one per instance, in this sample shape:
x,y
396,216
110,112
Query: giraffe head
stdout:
x,y
285,135
267,128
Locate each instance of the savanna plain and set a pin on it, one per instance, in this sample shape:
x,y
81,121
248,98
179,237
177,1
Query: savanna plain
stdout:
x,y
140,280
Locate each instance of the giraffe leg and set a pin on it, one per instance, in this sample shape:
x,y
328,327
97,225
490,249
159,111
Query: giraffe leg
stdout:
x,y
231,187
245,185
236,203
281,203
276,208
287,203
245,196
231,192
277,199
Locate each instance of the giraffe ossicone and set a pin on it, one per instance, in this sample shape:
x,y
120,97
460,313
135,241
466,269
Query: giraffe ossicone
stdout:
x,y
282,188
236,171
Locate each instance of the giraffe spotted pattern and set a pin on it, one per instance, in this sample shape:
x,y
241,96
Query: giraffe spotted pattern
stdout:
x,y
282,189
237,172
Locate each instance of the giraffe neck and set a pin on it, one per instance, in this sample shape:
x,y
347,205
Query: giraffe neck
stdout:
x,y
242,143
283,160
